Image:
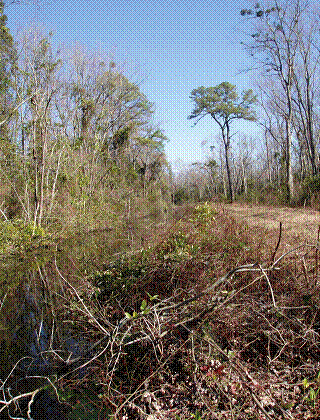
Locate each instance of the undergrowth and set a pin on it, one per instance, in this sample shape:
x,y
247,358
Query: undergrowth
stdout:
x,y
206,322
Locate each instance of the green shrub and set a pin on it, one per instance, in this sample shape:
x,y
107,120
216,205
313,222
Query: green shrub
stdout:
x,y
15,235
203,214
310,189
180,196
121,274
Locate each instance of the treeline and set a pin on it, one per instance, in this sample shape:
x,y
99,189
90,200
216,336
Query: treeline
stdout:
x,y
281,166
78,143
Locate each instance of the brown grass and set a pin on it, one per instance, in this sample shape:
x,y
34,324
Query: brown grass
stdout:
x,y
299,224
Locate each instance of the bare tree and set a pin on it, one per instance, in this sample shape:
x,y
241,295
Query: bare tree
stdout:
x,y
276,45
305,81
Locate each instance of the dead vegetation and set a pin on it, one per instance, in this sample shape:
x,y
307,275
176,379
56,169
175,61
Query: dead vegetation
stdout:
x,y
299,223
211,322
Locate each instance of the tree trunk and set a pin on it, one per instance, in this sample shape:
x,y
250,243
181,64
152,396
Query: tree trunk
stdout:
x,y
288,144
288,162
310,136
229,174
226,141
269,173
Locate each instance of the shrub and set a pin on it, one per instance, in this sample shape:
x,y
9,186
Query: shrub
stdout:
x,y
180,196
15,235
310,192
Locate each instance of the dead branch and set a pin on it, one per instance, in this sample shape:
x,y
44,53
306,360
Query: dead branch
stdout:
x,y
278,243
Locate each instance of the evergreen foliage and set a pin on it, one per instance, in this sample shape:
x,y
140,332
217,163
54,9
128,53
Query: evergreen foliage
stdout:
x,y
223,104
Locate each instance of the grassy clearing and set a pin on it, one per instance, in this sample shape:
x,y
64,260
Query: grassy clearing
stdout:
x,y
204,321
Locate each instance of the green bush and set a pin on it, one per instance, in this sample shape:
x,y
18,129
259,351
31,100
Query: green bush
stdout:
x,y
15,235
121,275
310,189
180,196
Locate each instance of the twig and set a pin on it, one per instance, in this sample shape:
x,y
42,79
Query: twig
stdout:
x,y
88,312
17,398
278,243
2,302
4,215
242,371
263,271
6,403
149,377
285,254
96,356
305,271
14,109
249,267
13,369
259,404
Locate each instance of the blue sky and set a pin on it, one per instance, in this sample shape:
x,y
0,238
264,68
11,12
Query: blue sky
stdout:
x,y
171,46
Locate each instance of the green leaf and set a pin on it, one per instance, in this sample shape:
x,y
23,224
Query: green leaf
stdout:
x,y
128,315
312,394
152,297
305,383
143,305
146,311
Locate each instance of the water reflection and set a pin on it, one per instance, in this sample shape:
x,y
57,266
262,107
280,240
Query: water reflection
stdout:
x,y
36,345
37,339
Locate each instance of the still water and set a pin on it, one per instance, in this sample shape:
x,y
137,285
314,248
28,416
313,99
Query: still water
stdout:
x,y
36,338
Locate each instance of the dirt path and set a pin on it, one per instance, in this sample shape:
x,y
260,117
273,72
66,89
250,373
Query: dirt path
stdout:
x,y
297,224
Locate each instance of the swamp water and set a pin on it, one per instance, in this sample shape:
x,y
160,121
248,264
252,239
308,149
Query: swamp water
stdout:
x,y
36,338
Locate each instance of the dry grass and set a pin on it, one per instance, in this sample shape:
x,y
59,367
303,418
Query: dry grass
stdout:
x,y
299,224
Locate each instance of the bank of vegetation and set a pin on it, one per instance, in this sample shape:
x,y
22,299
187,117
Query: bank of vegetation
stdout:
x,y
212,319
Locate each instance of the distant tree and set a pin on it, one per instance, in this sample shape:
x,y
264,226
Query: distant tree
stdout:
x,y
283,42
76,137
224,105
36,134
7,59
